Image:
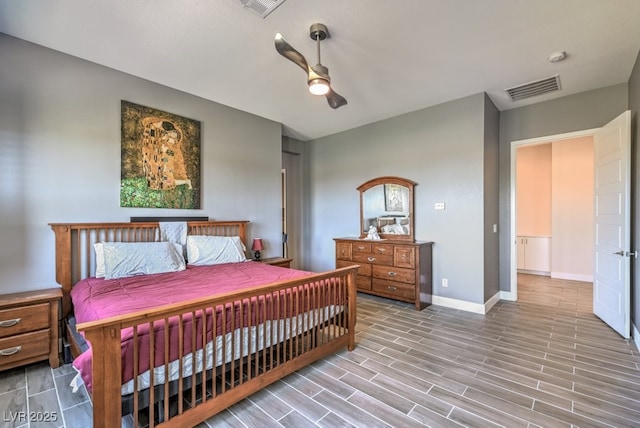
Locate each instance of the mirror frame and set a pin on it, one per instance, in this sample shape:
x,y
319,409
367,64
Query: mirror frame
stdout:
x,y
382,181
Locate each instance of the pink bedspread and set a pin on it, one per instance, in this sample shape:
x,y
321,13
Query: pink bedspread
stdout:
x,y
95,299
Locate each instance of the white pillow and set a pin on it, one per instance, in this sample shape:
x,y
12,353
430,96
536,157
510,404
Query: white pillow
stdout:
x,y
99,250
211,250
123,259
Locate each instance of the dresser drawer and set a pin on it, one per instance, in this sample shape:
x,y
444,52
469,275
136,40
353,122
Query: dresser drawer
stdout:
x,y
24,319
363,282
382,259
344,263
398,269
361,248
23,346
396,290
363,269
343,250
404,257
381,249
408,276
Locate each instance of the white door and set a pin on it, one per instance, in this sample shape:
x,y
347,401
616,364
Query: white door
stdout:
x,y
611,278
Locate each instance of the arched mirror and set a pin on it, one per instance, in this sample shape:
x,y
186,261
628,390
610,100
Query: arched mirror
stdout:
x,y
386,204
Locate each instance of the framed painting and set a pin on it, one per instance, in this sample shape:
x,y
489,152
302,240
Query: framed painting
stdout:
x,y
160,159
393,198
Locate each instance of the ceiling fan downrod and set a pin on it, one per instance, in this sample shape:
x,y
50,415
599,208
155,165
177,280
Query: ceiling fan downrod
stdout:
x,y
318,32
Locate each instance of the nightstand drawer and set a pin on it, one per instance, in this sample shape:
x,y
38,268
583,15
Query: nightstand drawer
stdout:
x,y
24,346
24,319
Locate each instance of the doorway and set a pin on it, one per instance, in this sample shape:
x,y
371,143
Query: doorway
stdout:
x,y
292,208
611,231
515,145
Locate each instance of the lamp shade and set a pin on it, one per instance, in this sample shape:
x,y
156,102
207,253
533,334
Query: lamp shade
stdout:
x,y
257,244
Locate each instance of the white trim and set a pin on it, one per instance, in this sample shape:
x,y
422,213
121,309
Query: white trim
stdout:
x,y
512,232
463,305
635,335
572,276
491,302
507,295
535,272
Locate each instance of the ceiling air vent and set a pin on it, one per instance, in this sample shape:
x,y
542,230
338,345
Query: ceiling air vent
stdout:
x,y
533,89
261,7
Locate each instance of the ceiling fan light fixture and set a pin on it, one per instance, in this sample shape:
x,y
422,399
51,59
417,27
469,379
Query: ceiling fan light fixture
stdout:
x,y
318,86
318,78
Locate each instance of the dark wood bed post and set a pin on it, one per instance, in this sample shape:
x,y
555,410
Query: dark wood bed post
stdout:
x,y
63,263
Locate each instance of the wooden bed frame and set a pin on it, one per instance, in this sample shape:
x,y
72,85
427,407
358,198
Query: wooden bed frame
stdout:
x,y
225,384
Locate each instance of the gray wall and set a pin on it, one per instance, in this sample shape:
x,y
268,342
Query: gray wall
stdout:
x,y
60,156
634,106
491,198
586,110
441,148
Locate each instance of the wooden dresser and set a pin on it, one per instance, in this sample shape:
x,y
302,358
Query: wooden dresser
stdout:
x,y
29,328
399,270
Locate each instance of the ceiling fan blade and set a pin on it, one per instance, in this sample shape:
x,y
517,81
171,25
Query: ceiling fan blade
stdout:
x,y
287,51
334,99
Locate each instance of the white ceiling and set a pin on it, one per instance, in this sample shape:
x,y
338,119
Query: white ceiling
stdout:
x,y
386,57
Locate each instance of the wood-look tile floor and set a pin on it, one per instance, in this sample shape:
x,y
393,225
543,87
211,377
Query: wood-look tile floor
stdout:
x,y
544,361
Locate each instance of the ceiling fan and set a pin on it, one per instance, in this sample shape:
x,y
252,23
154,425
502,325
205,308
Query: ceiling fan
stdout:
x,y
317,76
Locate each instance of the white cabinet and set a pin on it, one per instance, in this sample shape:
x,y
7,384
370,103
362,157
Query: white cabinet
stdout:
x,y
534,254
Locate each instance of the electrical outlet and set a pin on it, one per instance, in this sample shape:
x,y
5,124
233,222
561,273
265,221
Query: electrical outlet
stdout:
x,y
439,205
445,282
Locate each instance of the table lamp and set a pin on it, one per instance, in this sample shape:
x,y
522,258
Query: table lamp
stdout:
x,y
257,247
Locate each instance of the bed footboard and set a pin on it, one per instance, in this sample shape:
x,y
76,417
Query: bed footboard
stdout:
x,y
228,347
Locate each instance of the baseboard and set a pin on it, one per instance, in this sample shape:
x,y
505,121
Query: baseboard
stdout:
x,y
508,295
534,272
491,302
463,305
572,276
635,334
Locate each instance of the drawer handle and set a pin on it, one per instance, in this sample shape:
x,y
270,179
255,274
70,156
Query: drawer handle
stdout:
x,y
360,248
10,323
371,259
392,288
392,274
10,351
382,250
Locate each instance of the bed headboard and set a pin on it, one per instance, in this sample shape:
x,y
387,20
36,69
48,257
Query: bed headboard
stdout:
x,y
75,258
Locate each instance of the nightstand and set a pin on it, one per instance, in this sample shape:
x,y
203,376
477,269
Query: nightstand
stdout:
x,y
29,328
277,261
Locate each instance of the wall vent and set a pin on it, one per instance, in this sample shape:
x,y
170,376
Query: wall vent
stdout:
x,y
261,8
533,89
